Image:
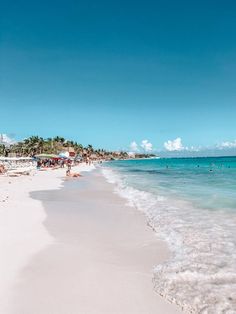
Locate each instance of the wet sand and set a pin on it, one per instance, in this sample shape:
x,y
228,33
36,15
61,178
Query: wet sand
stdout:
x,y
101,259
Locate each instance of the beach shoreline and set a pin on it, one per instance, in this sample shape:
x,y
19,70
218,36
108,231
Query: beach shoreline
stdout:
x,y
101,251
22,233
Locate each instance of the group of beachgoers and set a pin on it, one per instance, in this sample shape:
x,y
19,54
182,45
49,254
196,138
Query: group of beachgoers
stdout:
x,y
58,163
45,164
16,166
52,163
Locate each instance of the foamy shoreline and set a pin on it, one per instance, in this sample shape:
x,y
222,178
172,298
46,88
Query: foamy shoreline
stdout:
x,y
22,233
28,245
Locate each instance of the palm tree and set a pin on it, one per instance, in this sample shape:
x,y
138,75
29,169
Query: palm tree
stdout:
x,y
59,139
34,145
78,147
89,149
2,150
17,148
37,145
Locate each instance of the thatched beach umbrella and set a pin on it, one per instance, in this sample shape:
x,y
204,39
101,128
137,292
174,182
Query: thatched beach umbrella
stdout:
x,y
47,156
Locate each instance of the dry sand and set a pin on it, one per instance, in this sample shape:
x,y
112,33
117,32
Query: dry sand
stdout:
x,y
92,254
22,233
100,260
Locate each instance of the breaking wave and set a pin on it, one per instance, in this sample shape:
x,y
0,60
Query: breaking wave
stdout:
x,y
201,273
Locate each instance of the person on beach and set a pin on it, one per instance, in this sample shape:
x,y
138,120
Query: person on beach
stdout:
x,y
39,164
2,169
69,165
72,175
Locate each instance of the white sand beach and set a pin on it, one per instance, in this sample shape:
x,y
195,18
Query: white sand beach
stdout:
x,y
75,247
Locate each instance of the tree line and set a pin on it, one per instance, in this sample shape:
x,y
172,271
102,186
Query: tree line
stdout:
x,y
37,145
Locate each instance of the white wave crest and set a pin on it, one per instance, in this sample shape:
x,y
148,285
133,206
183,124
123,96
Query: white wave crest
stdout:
x,y
201,275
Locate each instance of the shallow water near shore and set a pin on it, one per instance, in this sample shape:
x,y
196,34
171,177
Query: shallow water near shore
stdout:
x,y
192,204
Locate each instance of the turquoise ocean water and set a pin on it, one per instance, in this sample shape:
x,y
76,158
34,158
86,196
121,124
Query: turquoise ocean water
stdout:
x,y
191,203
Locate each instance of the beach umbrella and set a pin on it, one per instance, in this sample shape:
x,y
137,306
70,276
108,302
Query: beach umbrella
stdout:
x,y
64,155
47,156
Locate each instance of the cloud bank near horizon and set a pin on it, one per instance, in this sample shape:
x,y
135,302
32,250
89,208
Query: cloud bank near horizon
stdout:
x,y
145,146
6,140
133,146
176,147
227,144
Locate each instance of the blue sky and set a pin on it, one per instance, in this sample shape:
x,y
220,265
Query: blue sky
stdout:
x,y
109,73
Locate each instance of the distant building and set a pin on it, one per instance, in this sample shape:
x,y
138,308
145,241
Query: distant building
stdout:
x,y
131,154
69,150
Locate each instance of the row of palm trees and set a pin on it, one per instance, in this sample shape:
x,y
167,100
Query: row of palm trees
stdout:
x,y
35,145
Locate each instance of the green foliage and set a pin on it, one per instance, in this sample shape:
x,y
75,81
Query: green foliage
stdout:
x,y
36,145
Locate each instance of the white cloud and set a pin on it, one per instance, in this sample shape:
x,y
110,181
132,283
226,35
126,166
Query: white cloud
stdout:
x,y
227,144
192,148
146,145
175,145
133,146
6,140
131,154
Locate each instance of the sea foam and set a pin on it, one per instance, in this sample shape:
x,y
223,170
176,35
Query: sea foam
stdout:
x,y
200,276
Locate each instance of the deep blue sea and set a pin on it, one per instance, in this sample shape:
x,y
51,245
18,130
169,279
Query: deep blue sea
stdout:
x,y
191,203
